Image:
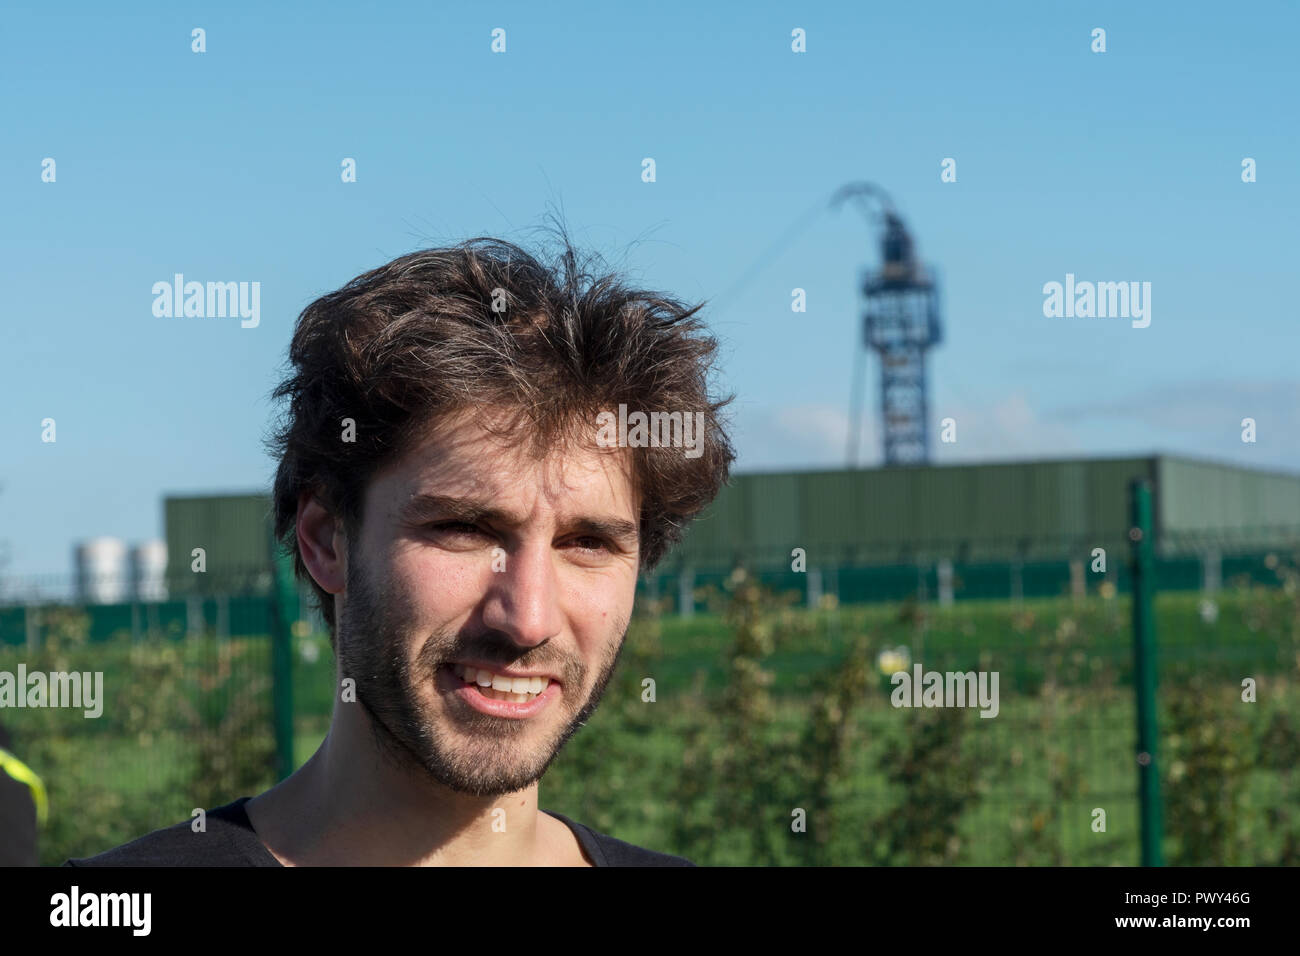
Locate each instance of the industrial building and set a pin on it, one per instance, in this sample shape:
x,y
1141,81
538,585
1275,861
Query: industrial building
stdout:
x,y
944,533
989,530
988,511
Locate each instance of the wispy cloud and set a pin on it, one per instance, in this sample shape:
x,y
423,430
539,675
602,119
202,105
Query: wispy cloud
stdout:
x,y
815,435
1197,420
799,436
1204,419
1008,428
1200,407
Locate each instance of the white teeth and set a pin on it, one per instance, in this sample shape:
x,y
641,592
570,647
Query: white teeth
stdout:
x,y
516,689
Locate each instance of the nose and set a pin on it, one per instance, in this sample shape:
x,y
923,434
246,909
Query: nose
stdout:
x,y
523,600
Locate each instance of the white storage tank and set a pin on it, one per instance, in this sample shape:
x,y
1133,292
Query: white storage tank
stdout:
x,y
102,576
149,571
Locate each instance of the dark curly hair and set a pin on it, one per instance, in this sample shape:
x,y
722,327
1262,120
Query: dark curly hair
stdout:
x,y
484,323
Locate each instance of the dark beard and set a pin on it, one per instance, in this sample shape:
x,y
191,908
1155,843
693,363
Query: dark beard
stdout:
x,y
499,758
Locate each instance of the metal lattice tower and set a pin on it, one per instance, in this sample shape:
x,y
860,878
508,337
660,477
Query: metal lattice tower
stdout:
x,y
900,322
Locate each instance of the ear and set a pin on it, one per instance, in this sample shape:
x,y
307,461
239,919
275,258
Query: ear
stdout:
x,y
322,542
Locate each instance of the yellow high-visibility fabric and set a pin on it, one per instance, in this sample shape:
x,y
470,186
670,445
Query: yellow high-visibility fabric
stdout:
x,y
24,774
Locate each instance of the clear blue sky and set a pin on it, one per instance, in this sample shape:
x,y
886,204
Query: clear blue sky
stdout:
x,y
225,166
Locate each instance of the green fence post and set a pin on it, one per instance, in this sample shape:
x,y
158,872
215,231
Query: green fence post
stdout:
x,y
1144,670
282,605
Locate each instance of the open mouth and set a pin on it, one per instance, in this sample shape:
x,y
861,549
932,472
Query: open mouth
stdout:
x,y
514,690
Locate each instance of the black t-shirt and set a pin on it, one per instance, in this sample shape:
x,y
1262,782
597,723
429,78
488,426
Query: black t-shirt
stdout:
x,y
17,823
230,840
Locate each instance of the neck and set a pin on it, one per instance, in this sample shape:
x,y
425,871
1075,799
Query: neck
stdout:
x,y
354,804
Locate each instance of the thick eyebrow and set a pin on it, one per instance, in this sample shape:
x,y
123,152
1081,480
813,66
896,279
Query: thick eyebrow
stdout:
x,y
427,506
424,506
626,533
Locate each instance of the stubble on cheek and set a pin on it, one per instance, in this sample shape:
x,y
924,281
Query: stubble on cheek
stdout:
x,y
373,652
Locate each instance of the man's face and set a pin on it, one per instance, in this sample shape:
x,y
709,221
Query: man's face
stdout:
x,y
471,553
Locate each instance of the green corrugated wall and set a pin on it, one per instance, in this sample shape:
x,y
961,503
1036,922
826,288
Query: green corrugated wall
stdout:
x,y
232,530
1214,502
970,513
986,511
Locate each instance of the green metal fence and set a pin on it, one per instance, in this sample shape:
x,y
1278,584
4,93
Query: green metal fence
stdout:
x,y
928,578
192,716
